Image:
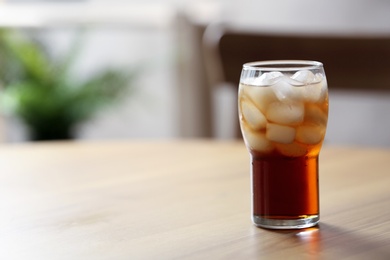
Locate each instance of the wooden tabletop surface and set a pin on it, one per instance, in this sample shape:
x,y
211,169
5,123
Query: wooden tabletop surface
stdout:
x,y
186,199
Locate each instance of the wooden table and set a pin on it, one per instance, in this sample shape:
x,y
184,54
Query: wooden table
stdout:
x,y
179,200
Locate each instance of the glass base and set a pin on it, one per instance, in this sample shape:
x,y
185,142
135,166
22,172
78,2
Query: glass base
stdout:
x,y
285,223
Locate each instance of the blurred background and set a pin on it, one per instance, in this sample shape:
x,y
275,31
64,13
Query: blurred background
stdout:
x,y
163,79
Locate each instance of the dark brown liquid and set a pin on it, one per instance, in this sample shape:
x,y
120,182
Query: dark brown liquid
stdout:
x,y
285,187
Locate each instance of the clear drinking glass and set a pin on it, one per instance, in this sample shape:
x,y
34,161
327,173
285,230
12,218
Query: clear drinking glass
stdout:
x,y
283,112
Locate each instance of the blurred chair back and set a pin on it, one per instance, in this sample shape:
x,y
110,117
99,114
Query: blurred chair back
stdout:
x,y
352,62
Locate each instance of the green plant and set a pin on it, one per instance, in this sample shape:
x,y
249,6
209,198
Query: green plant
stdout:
x,y
41,92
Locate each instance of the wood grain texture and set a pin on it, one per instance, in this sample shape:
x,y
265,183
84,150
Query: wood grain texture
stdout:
x,y
187,199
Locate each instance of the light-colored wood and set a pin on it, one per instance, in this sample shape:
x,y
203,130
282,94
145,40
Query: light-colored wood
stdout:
x,y
179,200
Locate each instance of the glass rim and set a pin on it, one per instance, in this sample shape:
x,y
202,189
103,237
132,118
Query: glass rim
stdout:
x,y
283,65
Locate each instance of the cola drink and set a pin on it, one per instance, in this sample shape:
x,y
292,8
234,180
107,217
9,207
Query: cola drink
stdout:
x,y
283,112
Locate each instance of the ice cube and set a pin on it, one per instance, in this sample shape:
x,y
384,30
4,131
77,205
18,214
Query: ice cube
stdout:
x,y
318,78
310,134
290,89
304,76
266,79
315,92
260,96
315,115
256,140
283,90
292,150
269,78
285,113
280,134
252,115
294,82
